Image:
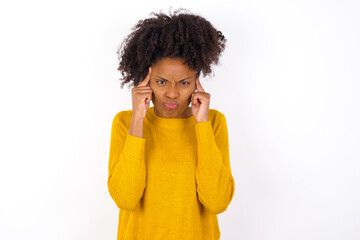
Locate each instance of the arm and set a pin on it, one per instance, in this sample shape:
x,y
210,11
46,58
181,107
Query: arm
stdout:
x,y
215,183
127,172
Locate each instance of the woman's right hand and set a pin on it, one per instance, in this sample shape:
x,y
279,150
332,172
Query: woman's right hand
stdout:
x,y
141,97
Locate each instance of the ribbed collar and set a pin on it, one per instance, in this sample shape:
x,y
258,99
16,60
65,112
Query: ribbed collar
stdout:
x,y
171,123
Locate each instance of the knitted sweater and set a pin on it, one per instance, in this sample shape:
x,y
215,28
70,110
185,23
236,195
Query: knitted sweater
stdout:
x,y
172,183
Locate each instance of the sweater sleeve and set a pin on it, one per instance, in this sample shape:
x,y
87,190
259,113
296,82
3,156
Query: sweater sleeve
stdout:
x,y
215,183
127,173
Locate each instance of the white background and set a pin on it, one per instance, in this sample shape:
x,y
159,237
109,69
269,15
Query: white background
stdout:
x,y
288,84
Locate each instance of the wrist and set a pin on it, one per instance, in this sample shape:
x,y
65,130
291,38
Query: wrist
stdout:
x,y
202,120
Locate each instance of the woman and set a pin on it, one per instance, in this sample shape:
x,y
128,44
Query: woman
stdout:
x,y
169,166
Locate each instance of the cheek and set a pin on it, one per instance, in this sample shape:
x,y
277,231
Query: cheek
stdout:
x,y
156,93
191,91
189,94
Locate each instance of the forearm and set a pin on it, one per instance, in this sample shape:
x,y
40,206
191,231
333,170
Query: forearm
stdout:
x,y
136,127
216,185
127,178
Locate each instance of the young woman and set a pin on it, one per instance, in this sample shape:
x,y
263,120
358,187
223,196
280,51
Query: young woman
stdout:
x,y
169,166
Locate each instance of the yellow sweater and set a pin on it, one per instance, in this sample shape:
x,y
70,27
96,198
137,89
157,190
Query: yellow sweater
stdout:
x,y
172,183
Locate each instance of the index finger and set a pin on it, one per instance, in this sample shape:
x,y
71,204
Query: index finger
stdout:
x,y
198,85
146,79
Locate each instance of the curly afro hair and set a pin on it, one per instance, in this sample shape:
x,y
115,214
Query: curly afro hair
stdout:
x,y
186,36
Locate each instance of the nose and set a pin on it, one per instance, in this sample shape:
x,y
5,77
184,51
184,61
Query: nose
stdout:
x,y
172,91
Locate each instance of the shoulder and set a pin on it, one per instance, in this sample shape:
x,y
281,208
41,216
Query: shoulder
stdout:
x,y
123,118
218,121
216,116
123,114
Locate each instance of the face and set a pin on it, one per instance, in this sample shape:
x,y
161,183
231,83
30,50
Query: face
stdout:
x,y
172,83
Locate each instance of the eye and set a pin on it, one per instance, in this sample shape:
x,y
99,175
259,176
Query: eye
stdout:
x,y
181,83
186,83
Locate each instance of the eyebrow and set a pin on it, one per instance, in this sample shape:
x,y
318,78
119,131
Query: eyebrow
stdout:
x,y
168,80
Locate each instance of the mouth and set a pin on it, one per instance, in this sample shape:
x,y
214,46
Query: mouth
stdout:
x,y
170,105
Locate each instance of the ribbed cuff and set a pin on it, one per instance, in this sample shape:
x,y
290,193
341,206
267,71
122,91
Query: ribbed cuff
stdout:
x,y
134,146
204,132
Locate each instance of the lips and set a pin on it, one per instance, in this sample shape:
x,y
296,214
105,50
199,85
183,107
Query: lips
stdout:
x,y
170,105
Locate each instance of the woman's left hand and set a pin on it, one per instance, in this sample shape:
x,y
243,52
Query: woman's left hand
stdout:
x,y
200,102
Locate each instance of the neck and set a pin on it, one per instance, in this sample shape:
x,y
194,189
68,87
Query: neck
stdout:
x,y
186,114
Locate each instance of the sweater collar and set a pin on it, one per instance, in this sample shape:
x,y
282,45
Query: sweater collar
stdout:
x,y
169,122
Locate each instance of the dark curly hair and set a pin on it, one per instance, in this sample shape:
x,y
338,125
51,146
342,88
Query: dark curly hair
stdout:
x,y
186,36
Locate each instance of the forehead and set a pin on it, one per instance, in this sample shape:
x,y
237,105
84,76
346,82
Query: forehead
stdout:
x,y
170,66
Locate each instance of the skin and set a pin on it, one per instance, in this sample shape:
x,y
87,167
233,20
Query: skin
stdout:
x,y
166,75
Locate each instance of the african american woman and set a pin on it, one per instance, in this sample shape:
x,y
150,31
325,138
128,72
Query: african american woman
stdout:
x,y
169,165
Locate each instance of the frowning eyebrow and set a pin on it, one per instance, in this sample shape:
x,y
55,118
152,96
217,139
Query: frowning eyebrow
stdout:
x,y
168,80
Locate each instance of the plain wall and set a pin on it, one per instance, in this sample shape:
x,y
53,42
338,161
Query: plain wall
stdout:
x,y
288,84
